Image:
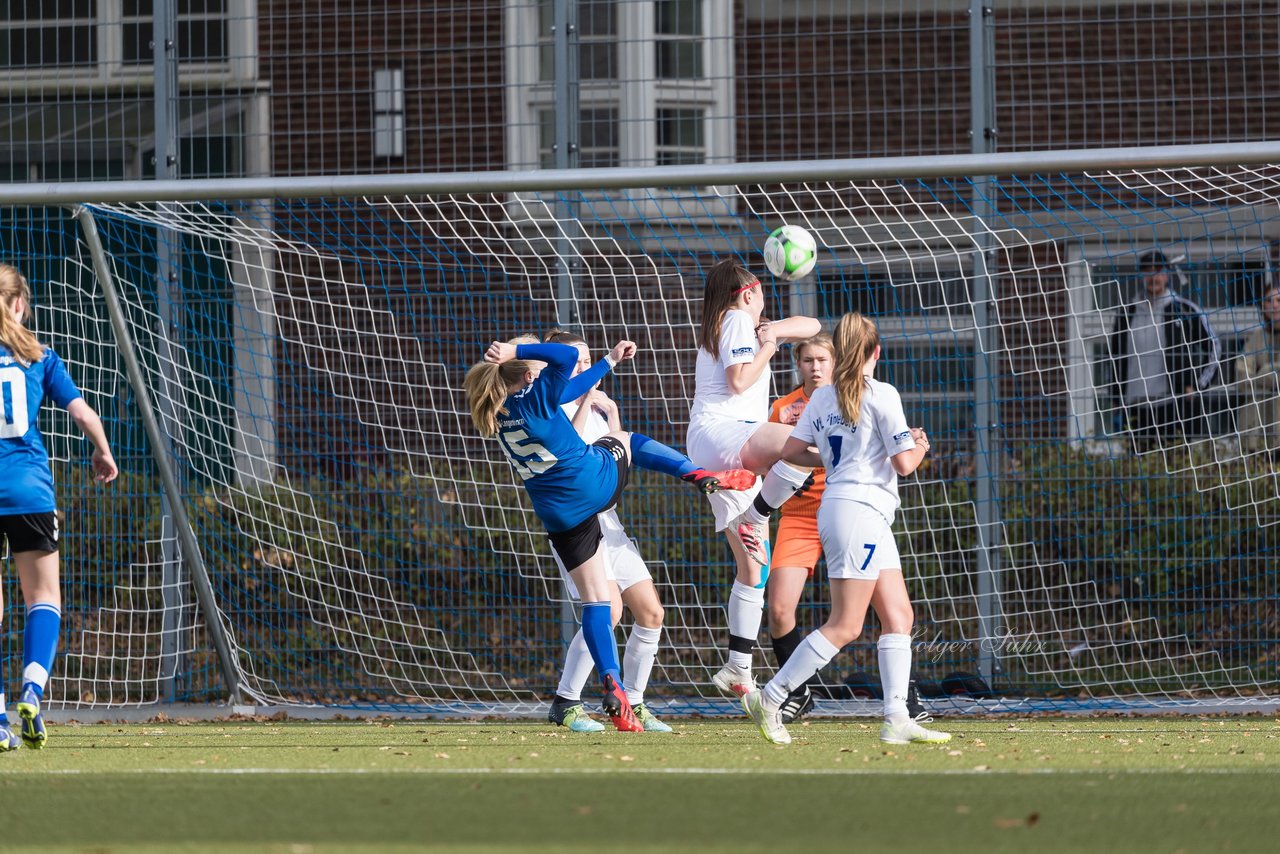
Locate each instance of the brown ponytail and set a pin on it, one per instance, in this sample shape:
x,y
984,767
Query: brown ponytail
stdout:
x,y
856,339
20,340
725,281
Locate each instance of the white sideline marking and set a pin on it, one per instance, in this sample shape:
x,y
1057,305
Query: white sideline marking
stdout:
x,y
724,772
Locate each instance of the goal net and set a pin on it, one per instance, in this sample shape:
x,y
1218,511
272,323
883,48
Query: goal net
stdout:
x,y
366,548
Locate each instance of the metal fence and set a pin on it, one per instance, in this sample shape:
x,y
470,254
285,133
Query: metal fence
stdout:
x,y
115,93
97,90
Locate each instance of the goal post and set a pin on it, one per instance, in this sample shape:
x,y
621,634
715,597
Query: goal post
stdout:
x,y
365,548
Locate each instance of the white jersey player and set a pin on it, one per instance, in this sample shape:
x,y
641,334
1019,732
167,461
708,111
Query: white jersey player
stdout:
x,y
729,428
594,415
863,441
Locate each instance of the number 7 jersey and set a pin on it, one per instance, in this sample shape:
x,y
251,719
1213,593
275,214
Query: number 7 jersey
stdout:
x,y
856,456
27,485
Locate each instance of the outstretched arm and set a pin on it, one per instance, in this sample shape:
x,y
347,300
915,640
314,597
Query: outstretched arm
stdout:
x,y
104,464
585,381
560,358
795,328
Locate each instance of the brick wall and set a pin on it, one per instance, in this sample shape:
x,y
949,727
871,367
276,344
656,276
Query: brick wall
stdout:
x,y
320,60
806,88
1078,78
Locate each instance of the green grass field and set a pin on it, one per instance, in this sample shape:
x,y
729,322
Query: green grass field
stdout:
x,y
1170,784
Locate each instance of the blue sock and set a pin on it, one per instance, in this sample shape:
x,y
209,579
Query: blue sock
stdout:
x,y
39,643
4,715
653,455
597,631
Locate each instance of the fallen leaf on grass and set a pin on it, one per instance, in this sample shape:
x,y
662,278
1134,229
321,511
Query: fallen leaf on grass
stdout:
x,y
1007,823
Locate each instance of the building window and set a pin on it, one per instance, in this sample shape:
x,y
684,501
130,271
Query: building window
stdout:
x,y
388,112
113,37
599,144
202,31
597,40
39,33
655,82
681,136
679,43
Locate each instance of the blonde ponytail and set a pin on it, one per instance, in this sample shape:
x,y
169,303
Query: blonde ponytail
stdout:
x,y
20,340
856,338
486,388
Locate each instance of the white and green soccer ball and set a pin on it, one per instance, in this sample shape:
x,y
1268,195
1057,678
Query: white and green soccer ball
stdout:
x,y
790,252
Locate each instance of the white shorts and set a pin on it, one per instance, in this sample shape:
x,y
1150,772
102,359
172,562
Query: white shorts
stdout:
x,y
715,444
622,562
856,539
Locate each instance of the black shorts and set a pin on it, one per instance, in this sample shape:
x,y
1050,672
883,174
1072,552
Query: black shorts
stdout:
x,y
577,545
30,532
619,454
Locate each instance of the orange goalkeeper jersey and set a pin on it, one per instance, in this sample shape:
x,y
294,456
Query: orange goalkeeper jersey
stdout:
x,y
787,410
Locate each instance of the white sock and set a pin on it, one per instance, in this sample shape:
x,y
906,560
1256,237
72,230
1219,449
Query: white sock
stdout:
x,y
637,660
746,610
3,708
577,669
811,656
895,674
779,484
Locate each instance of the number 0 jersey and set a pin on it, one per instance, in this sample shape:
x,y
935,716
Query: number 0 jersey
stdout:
x,y
567,479
27,483
856,457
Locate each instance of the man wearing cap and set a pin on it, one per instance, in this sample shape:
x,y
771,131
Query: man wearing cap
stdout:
x,y
1163,354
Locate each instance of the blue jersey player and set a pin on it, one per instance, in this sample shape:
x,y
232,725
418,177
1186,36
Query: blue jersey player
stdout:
x,y
515,395
30,373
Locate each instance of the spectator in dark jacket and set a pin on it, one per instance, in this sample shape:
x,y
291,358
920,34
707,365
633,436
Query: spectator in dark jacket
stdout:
x,y
1164,354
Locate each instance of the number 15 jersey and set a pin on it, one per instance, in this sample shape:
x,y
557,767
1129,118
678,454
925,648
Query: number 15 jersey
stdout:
x,y
567,479
27,484
856,456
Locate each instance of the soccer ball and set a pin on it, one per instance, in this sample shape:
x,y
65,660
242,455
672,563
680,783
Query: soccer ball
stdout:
x,y
790,253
